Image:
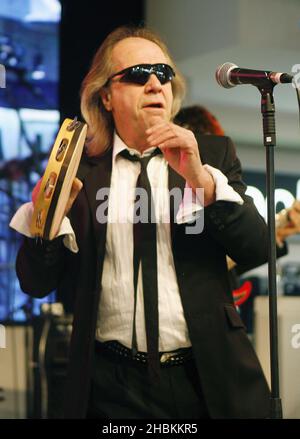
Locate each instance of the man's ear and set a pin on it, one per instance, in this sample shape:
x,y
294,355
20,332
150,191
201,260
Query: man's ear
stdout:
x,y
106,98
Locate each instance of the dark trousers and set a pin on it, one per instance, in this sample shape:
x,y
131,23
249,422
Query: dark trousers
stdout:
x,y
121,388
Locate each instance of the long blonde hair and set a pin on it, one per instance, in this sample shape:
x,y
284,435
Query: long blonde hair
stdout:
x,y
99,120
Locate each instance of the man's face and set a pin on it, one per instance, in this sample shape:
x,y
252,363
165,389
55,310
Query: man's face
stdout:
x,y
137,107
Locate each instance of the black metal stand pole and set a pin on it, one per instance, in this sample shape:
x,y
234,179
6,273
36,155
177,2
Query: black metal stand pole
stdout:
x,y
269,134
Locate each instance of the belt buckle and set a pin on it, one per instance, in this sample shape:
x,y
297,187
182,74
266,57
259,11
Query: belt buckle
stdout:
x,y
166,356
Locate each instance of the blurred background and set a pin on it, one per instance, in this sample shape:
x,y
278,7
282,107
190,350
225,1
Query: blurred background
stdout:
x,y
46,48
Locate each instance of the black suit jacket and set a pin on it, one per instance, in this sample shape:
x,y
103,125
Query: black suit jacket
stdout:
x,y
232,379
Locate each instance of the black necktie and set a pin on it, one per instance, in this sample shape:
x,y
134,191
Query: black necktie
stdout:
x,y
144,236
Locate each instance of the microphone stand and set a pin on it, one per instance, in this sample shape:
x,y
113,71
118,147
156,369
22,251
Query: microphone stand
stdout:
x,y
269,135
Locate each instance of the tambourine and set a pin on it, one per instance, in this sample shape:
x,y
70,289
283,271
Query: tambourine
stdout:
x,y
55,188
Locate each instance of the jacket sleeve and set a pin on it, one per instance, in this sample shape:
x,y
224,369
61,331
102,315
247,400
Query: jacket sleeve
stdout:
x,y
280,251
238,228
43,266
40,265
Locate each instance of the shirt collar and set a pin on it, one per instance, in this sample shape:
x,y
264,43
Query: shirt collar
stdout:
x,y
119,145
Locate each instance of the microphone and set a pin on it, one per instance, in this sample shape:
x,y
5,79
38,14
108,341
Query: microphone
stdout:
x,y
229,75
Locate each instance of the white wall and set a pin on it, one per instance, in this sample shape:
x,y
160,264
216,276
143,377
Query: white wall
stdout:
x,y
202,34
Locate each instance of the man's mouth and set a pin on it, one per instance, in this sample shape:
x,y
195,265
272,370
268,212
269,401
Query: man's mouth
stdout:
x,y
154,105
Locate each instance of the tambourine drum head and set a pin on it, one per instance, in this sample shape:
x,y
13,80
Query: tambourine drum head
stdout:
x,y
58,178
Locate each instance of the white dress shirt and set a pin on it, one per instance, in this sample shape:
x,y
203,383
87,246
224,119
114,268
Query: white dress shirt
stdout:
x,y
115,314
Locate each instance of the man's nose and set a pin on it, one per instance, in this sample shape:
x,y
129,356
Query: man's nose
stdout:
x,y
153,84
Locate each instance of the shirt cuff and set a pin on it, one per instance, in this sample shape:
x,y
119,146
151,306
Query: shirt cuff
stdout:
x,y
21,221
192,204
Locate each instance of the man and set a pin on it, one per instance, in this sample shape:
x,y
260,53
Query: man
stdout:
x,y
207,367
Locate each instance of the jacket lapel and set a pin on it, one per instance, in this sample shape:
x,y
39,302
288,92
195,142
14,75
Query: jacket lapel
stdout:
x,y
96,184
176,182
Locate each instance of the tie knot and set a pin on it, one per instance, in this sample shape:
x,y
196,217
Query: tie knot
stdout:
x,y
143,160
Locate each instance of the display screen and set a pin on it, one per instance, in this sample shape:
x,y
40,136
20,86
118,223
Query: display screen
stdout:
x,y
29,122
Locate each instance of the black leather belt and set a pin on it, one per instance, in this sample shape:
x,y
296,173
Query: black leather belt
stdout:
x,y
173,358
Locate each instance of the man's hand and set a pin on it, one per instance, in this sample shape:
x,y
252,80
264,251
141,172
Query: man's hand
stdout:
x,y
75,189
292,227
180,149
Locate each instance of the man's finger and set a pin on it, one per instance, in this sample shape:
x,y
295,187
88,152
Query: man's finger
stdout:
x,y
35,191
75,189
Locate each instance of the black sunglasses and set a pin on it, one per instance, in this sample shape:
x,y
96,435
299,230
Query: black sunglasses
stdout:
x,y
140,73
